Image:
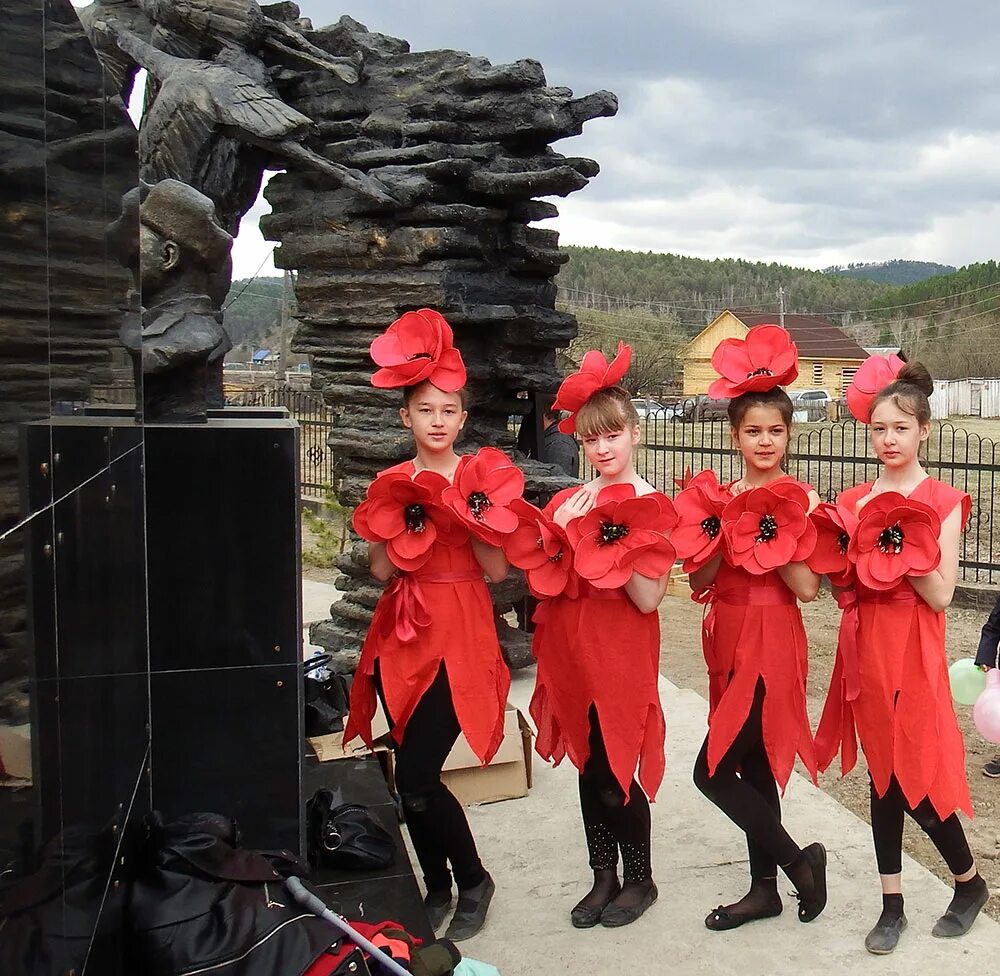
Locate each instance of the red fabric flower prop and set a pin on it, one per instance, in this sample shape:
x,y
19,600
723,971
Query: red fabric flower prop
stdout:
x,y
407,515
595,374
480,494
895,537
623,533
418,346
766,358
698,536
873,376
541,548
767,527
835,526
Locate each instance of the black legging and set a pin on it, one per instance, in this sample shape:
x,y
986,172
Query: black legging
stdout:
x,y
887,831
438,827
608,821
743,788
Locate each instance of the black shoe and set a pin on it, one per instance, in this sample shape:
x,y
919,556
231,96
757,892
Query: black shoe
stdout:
x,y
885,936
437,904
992,768
470,914
616,915
725,918
955,923
810,908
587,912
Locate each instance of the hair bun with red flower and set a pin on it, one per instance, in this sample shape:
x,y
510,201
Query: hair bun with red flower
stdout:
x,y
873,376
595,373
418,346
766,358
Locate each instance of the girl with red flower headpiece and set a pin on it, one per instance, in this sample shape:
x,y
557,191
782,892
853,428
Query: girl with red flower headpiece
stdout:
x,y
745,545
890,683
431,652
598,642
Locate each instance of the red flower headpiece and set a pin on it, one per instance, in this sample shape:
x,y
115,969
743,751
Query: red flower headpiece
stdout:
x,y
418,346
835,526
766,358
873,376
480,494
698,536
407,515
541,548
595,374
895,537
767,527
623,533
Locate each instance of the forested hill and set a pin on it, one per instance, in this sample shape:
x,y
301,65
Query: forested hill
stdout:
x,y
253,310
696,289
891,272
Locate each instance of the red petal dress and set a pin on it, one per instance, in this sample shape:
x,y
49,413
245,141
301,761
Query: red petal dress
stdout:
x,y
600,650
461,633
896,661
753,630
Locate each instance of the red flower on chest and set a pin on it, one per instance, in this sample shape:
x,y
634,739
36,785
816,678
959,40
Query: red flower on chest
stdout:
x,y
698,535
767,527
835,525
481,492
542,549
896,537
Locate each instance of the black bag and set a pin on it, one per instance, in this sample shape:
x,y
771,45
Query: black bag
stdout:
x,y
326,702
348,836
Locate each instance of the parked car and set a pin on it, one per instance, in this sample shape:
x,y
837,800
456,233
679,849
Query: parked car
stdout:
x,y
646,407
710,409
804,397
810,405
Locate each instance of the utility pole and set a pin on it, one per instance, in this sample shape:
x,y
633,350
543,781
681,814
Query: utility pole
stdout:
x,y
285,332
781,306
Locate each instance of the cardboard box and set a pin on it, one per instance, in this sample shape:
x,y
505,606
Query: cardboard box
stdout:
x,y
15,753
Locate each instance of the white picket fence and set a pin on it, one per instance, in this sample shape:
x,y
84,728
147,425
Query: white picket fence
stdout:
x,y
971,397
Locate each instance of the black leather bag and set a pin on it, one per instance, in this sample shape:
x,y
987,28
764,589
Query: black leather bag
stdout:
x,y
327,702
347,836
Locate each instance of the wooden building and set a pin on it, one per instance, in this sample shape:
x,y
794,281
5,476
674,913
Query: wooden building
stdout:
x,y
828,358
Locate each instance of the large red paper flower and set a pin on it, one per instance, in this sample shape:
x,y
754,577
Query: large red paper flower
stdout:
x,y
766,358
407,515
835,525
767,527
895,537
480,494
623,534
418,346
541,548
595,374
698,536
873,376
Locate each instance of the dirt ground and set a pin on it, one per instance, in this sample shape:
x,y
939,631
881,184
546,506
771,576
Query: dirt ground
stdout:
x,y
683,664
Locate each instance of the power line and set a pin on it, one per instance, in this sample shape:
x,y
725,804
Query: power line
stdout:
x,y
251,281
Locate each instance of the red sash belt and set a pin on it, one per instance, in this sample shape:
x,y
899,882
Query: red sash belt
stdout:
x,y
405,607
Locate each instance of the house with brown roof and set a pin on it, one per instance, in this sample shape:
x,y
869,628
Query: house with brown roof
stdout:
x,y
828,357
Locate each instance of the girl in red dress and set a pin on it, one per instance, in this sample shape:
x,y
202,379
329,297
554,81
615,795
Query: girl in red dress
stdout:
x,y
890,684
754,642
431,652
596,697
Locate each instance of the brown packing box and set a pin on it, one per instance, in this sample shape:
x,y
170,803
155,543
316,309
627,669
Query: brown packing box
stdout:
x,y
507,777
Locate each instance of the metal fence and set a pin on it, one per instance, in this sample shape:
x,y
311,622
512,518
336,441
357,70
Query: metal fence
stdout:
x,y
832,456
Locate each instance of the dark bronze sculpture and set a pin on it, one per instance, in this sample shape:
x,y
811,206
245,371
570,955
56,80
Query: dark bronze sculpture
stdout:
x,y
178,263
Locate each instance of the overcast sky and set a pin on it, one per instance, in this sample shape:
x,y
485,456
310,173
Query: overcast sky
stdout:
x,y
771,130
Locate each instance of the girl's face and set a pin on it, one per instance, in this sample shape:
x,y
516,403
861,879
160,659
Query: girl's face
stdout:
x,y
762,438
611,453
435,417
896,435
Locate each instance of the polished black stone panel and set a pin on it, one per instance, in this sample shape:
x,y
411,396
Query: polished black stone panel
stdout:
x,y
228,741
222,527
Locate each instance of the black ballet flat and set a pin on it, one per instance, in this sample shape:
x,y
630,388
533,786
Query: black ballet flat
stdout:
x,y
953,924
884,937
723,920
615,916
810,908
587,916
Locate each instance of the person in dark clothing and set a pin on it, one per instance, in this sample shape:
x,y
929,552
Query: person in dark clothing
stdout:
x,y
986,658
557,447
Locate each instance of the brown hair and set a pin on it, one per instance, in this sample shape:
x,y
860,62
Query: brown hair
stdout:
x,y
409,391
910,392
605,411
777,398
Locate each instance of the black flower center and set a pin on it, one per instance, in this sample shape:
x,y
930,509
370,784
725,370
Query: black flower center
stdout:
x,y
890,539
612,532
555,557
418,355
479,501
768,529
711,526
416,518
760,371
843,541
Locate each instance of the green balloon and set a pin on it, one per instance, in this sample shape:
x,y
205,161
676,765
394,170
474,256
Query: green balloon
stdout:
x,y
967,681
